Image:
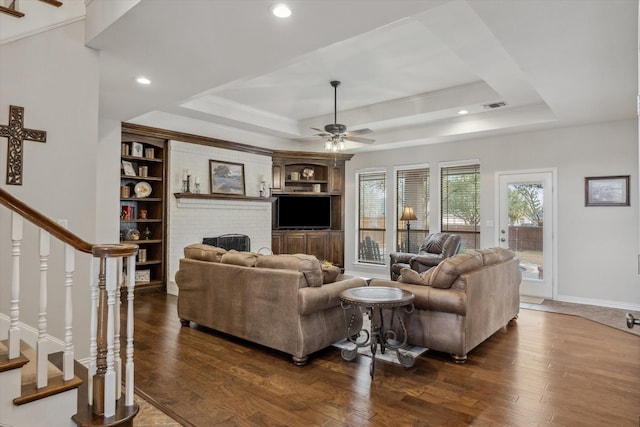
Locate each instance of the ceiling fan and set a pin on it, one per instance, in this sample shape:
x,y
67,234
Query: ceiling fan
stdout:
x,y
335,133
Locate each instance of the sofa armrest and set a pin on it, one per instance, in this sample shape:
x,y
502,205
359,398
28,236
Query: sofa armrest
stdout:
x,y
400,257
428,298
314,299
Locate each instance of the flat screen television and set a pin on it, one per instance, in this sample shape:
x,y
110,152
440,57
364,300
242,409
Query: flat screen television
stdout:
x,y
303,212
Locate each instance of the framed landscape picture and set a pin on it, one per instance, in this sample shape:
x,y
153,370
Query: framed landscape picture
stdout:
x,y
607,190
226,177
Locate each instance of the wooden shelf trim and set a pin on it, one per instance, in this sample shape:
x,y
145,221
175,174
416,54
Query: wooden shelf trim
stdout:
x,y
142,159
141,178
202,196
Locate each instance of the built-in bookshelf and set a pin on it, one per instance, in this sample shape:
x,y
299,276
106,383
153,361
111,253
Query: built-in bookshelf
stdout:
x,y
143,205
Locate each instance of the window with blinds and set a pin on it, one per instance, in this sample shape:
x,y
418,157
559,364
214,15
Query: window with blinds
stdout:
x,y
371,217
460,203
412,190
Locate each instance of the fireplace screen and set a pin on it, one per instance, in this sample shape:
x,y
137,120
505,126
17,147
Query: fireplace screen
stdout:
x,y
239,242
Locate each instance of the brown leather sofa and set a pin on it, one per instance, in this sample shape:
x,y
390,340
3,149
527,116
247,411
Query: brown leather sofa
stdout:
x,y
434,248
280,301
461,302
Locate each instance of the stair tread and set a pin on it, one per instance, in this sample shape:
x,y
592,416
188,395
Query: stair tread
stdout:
x,y
7,364
29,390
29,374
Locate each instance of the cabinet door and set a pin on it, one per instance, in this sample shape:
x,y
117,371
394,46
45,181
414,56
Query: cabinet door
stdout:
x,y
336,247
317,244
277,173
336,181
295,243
277,244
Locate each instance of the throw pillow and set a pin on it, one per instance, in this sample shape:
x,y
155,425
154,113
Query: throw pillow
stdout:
x,y
489,256
329,273
410,276
445,273
308,265
203,252
505,254
243,259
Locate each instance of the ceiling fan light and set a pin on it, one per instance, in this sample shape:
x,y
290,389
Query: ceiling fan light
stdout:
x,y
341,146
327,145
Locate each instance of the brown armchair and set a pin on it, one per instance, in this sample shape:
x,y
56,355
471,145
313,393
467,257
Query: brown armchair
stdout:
x,y
434,249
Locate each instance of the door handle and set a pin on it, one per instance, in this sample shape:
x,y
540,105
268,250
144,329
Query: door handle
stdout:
x,y
503,239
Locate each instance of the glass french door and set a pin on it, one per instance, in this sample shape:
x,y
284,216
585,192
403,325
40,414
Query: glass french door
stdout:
x,y
526,227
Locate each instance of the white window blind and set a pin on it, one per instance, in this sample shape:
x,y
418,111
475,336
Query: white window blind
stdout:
x,y
412,189
460,203
371,217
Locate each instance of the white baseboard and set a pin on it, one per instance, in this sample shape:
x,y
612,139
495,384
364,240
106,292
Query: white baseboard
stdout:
x,y
28,334
598,302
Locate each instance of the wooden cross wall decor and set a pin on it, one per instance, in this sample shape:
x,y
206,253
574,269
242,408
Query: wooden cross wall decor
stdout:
x,y
16,134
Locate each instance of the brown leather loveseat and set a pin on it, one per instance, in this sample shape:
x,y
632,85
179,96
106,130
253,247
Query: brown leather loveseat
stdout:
x,y
461,302
280,301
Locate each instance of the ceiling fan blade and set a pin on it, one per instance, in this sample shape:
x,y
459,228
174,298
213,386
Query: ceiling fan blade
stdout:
x,y
358,139
360,131
322,131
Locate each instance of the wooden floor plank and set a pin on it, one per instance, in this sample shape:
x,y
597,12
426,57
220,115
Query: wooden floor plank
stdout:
x,y
543,369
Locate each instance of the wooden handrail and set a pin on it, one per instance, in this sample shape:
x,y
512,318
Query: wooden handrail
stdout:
x,y
61,233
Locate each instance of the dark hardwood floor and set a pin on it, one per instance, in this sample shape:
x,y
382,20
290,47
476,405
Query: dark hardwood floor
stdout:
x,y
543,369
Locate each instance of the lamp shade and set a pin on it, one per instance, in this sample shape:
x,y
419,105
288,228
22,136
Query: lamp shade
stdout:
x,y
408,214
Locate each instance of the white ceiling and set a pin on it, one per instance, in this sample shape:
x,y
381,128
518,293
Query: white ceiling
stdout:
x,y
231,70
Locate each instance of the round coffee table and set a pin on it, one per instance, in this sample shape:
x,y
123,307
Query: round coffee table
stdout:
x,y
374,299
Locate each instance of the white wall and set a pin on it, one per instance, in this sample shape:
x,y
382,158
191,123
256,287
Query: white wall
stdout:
x,y
597,246
190,220
55,78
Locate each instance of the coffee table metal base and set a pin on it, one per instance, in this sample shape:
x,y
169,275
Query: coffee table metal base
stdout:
x,y
373,300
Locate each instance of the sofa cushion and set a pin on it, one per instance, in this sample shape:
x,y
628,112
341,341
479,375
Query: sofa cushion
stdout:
x,y
445,273
243,259
308,265
203,252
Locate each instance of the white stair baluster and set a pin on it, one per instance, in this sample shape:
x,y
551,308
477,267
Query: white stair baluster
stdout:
x,y
110,375
69,268
42,350
14,310
131,283
93,330
117,360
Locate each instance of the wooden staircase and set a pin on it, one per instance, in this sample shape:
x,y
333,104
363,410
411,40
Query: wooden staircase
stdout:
x,y
40,382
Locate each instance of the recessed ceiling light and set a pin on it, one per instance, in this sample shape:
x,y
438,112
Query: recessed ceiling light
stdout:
x,y
143,80
463,112
281,11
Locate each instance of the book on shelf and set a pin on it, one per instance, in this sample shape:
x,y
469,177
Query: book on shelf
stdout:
x,y
128,213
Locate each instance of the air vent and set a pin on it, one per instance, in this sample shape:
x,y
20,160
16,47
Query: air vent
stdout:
x,y
495,105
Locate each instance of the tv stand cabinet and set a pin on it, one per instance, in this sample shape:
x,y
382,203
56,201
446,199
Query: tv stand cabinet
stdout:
x,y
310,174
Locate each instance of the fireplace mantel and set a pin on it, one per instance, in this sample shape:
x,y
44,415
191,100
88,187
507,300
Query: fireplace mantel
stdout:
x,y
202,196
